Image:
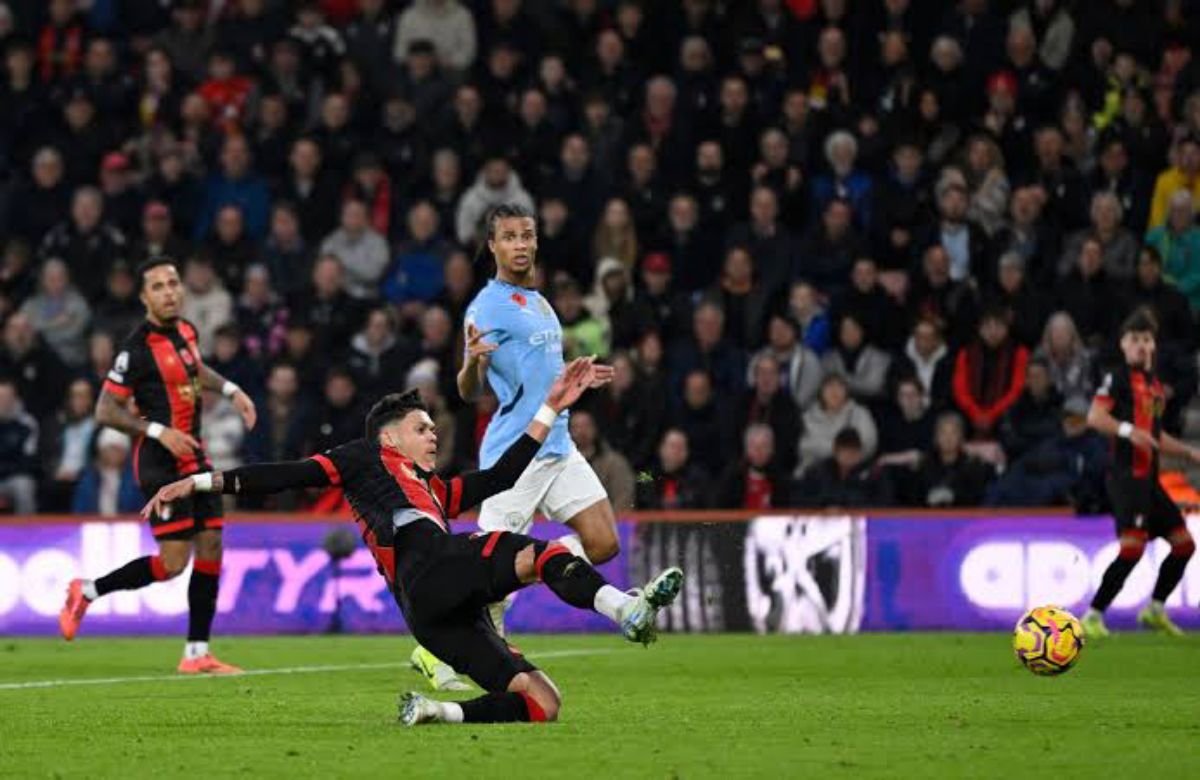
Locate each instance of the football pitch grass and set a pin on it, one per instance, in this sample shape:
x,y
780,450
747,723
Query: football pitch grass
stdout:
x,y
928,705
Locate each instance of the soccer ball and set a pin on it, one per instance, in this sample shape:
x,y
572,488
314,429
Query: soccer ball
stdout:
x,y
1048,640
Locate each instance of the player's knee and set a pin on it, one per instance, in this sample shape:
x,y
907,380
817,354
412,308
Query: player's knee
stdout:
x,y
1132,548
602,549
1182,544
173,564
549,700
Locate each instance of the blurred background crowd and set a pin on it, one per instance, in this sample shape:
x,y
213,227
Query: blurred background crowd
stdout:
x,y
840,252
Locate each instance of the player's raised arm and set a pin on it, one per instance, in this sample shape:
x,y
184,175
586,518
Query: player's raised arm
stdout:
x,y
475,486
258,479
472,377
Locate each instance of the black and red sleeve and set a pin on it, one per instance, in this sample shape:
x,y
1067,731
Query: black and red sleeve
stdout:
x,y
128,368
1114,391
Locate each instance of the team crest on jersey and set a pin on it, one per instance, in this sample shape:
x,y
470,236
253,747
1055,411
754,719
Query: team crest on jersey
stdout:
x,y
519,299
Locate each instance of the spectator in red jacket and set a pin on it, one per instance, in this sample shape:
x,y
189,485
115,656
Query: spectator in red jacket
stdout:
x,y
225,92
989,373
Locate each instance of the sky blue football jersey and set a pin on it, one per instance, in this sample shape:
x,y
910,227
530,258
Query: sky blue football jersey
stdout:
x,y
523,368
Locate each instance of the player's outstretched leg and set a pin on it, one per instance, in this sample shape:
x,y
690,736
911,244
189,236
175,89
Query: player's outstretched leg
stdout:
x,y
1169,574
134,575
1133,544
574,581
531,698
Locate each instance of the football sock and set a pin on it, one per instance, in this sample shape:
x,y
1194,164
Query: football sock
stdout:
x,y
572,579
497,708
136,574
193,650
611,602
573,543
1114,578
202,599
89,590
1169,575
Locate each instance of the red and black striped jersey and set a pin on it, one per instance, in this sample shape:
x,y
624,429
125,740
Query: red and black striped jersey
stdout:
x,y
1134,396
159,367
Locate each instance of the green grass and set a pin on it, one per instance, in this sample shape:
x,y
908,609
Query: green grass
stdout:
x,y
690,706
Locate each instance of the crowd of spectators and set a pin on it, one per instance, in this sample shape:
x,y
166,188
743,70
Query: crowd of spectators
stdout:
x,y
840,252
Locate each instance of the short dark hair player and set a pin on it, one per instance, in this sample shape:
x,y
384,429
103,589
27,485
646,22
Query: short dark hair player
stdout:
x,y
1128,408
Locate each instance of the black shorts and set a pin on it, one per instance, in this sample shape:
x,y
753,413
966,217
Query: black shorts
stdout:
x,y
446,606
1142,504
154,467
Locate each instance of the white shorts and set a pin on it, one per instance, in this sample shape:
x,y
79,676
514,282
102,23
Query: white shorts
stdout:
x,y
560,487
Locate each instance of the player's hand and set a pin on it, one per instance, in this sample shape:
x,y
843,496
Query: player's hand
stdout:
x,y
1143,440
478,350
571,383
179,443
161,503
601,375
245,408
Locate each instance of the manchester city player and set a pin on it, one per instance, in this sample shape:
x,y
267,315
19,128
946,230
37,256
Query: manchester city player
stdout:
x,y
514,346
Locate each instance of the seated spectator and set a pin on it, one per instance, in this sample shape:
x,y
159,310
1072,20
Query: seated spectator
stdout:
x,y
872,306
40,374
107,486
18,452
224,431
286,253
903,204
1184,175
844,182
827,252
1034,417
934,295
1029,234
674,481
1015,292
833,411
229,358
1150,290
67,443
742,296
709,350
416,275
926,357
497,183
120,309
989,374
657,305
208,304
17,277
379,358
765,402
41,202
692,245
1064,469
231,249
805,306
1070,363
1090,297
1178,243
339,414
906,427
948,475
1118,245
965,242
800,370
583,333
335,316
699,416
611,301
283,418
311,189
158,236
235,183
458,285
629,415
611,467
987,183
363,253
616,236
261,315
864,365
437,340
86,242
60,314
845,479
755,480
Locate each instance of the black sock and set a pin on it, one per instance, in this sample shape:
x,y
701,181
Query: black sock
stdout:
x,y
138,573
1169,575
501,708
571,578
1114,578
202,599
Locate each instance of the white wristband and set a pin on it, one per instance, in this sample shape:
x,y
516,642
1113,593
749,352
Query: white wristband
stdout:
x,y
546,416
1125,430
229,389
203,482
155,430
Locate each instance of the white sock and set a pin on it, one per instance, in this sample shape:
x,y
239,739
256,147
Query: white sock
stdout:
x,y
573,543
193,650
1094,613
89,590
611,602
451,711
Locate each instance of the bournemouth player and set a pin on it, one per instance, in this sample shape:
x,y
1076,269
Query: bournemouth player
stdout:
x,y
159,369
1128,408
519,360
443,582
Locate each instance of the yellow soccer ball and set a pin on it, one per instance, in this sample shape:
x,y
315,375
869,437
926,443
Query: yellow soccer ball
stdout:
x,y
1048,640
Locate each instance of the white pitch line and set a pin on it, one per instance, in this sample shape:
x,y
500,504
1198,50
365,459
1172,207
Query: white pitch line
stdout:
x,y
16,686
